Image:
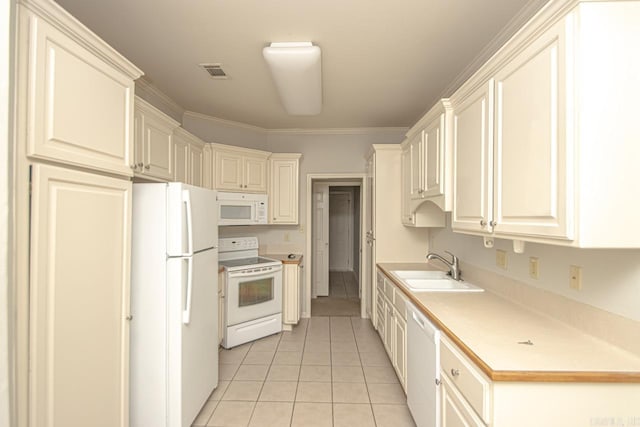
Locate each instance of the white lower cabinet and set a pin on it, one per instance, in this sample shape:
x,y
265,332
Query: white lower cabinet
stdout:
x,y
291,274
79,298
455,411
392,325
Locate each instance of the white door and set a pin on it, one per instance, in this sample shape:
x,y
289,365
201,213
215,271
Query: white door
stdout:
x,y
193,334
320,233
192,222
79,299
340,231
181,161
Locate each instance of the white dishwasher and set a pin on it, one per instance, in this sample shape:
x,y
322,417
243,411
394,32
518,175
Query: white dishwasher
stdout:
x,y
423,369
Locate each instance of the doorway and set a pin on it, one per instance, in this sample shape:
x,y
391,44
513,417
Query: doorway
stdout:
x,y
336,233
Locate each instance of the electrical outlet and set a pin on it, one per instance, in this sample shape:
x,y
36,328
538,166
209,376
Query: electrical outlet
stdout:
x,y
501,259
287,238
575,277
534,266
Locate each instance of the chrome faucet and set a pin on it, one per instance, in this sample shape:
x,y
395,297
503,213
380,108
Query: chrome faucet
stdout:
x,y
454,270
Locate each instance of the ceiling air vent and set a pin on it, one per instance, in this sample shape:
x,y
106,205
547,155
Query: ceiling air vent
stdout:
x,y
215,71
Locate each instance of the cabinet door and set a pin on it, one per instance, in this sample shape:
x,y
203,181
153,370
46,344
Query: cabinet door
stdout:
x,y
158,149
433,159
284,191
80,108
389,328
400,347
290,298
208,176
406,215
80,268
255,174
472,135
228,171
181,161
417,183
530,158
196,165
455,411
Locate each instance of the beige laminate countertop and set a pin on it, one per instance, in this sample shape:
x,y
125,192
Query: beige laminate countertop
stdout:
x,y
284,258
488,328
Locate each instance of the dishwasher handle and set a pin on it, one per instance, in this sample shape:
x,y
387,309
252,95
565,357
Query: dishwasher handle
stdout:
x,y
423,323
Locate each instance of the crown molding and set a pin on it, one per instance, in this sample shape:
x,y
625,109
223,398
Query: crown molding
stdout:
x,y
509,30
145,87
340,131
224,122
294,131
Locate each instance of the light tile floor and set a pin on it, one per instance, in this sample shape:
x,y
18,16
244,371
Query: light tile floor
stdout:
x,y
328,371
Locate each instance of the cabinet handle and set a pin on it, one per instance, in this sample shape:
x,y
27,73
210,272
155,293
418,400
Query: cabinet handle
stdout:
x,y
483,223
133,166
140,165
437,381
245,186
147,167
240,185
493,223
129,317
455,372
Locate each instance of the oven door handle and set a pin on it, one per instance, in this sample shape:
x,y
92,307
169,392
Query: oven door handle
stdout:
x,y
234,275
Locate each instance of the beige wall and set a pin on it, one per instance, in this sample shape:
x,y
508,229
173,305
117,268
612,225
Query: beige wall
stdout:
x,y
210,129
610,278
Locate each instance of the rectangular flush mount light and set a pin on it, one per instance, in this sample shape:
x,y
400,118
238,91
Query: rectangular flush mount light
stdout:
x,y
296,70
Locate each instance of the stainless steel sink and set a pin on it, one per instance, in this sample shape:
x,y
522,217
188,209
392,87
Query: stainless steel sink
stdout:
x,y
433,281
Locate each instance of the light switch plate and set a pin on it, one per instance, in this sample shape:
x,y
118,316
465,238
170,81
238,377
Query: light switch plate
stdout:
x,y
534,267
575,277
501,258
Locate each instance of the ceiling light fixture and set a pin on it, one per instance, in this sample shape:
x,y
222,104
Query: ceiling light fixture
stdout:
x,y
297,73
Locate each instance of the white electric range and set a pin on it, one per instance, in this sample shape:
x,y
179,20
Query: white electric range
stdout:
x,y
253,293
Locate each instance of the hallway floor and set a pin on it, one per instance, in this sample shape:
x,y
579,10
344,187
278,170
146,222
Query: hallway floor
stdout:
x,y
328,371
343,299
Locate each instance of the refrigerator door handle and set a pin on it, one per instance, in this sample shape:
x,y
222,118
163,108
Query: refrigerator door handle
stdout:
x,y
186,314
186,199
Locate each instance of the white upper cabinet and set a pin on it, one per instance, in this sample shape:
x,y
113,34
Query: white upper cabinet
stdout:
x,y
530,168
283,188
240,169
154,142
76,94
473,153
208,173
430,150
189,158
406,213
545,141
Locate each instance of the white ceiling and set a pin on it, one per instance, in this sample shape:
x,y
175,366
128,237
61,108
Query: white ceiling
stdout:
x,y
384,62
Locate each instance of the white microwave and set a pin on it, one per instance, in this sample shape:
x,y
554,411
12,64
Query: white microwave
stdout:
x,y
242,209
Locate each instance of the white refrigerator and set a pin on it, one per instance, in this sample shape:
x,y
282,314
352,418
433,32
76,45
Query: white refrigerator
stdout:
x,y
174,303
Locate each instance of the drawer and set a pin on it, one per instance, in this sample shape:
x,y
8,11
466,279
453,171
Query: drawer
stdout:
x,y
472,384
400,304
380,282
389,290
455,410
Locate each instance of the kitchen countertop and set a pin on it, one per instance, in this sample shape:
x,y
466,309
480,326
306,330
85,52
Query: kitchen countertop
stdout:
x,y
488,328
284,258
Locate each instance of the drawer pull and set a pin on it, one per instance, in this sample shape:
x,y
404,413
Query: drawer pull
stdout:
x,y
455,372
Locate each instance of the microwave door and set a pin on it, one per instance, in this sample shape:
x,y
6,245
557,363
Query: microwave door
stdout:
x,y
236,212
